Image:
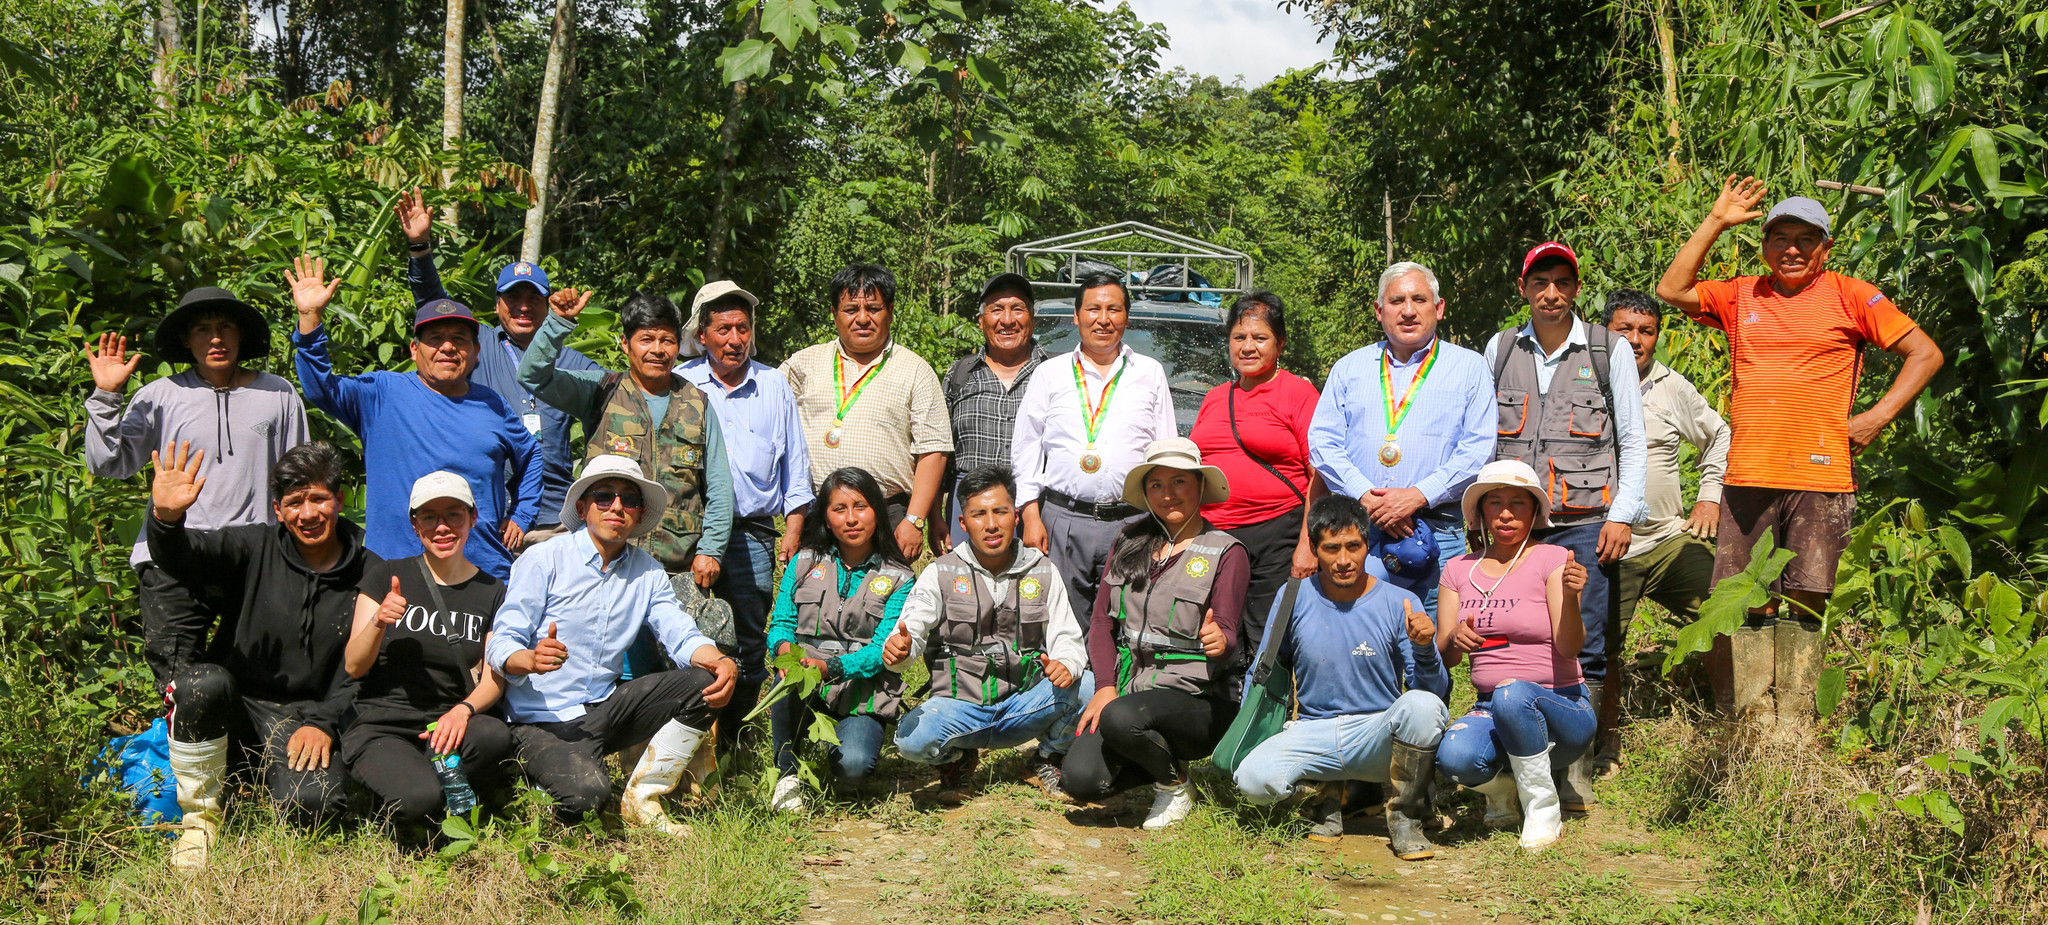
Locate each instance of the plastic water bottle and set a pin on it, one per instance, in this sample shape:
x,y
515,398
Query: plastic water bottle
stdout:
x,y
456,793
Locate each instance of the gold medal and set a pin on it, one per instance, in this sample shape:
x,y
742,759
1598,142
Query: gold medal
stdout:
x,y
1090,461
832,438
1390,452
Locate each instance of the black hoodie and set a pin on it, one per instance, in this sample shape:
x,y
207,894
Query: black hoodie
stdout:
x,y
286,643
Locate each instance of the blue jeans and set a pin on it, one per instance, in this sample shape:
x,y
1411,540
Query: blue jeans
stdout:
x,y
1450,544
941,727
1356,747
745,580
860,739
1519,718
1597,598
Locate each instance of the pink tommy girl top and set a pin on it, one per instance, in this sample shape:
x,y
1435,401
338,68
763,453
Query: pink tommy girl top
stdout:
x,y
1515,619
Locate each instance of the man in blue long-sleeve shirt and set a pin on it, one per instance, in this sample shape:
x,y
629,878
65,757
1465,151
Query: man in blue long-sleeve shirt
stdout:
x,y
522,304
1369,683
415,423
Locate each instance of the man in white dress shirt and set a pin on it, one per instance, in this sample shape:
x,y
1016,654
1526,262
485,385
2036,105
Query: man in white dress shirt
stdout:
x,y
1084,422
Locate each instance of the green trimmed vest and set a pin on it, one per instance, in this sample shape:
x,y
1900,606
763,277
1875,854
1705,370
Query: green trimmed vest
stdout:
x,y
1567,435
1159,627
827,626
984,651
671,453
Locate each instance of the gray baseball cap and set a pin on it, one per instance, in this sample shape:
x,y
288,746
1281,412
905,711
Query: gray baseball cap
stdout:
x,y
1803,209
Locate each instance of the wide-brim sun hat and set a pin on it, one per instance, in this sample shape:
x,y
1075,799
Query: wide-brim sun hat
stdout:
x,y
212,300
694,325
1505,473
1175,453
654,498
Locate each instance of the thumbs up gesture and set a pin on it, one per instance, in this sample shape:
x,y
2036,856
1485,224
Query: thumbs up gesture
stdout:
x,y
393,608
1574,577
897,647
549,654
1055,671
1421,629
1213,641
1465,635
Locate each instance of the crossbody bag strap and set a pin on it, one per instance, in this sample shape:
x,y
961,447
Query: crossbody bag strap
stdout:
x,y
441,607
1284,480
1276,632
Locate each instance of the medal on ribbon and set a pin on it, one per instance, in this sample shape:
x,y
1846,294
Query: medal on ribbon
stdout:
x,y
1091,418
845,397
1398,408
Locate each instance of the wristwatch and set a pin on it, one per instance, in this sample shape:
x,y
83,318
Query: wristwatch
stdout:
x,y
915,520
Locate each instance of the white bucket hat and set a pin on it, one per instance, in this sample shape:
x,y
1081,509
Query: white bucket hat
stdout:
x,y
440,484
1175,453
654,498
1505,473
693,326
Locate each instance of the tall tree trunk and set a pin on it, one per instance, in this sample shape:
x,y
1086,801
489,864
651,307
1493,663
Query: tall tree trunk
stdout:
x,y
451,95
164,45
728,155
1667,55
544,126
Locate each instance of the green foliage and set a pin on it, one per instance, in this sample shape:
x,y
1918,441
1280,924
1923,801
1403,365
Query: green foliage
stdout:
x,y
1733,599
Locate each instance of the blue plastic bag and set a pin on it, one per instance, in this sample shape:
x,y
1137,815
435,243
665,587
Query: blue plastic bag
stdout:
x,y
140,764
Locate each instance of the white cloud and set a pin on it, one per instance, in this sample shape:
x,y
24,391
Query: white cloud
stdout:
x,y
1248,40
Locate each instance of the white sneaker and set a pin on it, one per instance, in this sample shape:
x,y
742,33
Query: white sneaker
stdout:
x,y
789,795
1171,803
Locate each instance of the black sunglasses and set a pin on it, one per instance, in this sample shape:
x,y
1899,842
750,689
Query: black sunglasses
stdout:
x,y
603,498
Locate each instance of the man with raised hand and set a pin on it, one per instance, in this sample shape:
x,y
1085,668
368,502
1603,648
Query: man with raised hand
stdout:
x,y
522,305
871,403
574,605
1007,650
1084,423
1795,337
1670,557
984,388
1583,434
419,422
241,419
1403,425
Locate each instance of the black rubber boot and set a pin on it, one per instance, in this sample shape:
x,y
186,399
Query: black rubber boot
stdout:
x,y
1575,782
1410,775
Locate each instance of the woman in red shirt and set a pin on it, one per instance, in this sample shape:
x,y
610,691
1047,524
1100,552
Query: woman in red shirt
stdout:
x,y
1256,431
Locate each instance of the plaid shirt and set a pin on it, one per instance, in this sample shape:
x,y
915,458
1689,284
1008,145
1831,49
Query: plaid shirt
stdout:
x,y
984,411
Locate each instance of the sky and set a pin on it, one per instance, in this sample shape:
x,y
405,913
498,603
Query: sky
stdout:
x,y
1232,39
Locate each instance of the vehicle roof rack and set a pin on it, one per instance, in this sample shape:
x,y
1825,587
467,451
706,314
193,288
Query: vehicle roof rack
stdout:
x,y
1154,245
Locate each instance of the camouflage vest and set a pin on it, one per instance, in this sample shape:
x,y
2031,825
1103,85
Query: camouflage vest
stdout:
x,y
986,651
1159,628
827,626
671,453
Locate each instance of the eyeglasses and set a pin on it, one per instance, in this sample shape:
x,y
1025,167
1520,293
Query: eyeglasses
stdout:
x,y
603,498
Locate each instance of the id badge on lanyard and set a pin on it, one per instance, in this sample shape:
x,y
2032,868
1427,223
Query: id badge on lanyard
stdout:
x,y
532,417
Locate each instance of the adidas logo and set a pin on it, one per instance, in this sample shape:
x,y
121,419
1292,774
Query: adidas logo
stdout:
x,y
1365,649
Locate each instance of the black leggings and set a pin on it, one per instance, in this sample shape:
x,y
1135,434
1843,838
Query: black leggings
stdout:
x,y
566,759
205,706
1142,738
391,759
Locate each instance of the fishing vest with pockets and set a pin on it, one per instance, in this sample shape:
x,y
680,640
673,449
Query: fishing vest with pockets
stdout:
x,y
986,651
827,626
1159,627
671,453
1568,435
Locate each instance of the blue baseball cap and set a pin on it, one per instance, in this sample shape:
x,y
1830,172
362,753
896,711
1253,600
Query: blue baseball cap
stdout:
x,y
519,271
441,310
1409,559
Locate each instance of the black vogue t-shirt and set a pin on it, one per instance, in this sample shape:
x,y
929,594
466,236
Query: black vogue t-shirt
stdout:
x,y
424,666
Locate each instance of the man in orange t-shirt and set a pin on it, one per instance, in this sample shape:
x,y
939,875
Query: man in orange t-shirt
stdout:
x,y
1795,338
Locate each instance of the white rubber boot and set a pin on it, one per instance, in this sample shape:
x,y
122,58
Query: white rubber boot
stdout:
x,y
789,795
1171,803
659,770
200,769
1542,819
1503,810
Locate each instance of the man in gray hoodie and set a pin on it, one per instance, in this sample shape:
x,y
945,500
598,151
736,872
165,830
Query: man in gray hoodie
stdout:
x,y
243,420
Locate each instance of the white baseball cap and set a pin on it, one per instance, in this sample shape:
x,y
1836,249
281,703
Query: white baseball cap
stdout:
x,y
708,293
440,484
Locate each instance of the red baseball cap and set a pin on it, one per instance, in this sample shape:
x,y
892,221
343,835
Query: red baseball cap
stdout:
x,y
1549,249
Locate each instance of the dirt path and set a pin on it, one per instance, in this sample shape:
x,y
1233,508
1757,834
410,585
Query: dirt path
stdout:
x,y
1010,854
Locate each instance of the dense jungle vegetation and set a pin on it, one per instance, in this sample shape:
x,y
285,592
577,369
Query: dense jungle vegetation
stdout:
x,y
772,141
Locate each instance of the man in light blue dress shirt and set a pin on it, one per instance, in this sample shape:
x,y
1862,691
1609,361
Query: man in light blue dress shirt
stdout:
x,y
771,473
1407,460
574,605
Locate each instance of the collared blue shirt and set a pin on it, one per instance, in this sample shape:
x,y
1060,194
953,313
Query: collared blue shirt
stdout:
x,y
497,366
764,438
1446,437
1632,445
596,611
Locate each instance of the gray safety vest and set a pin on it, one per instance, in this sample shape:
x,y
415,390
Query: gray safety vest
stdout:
x,y
986,651
1159,627
1567,435
827,626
